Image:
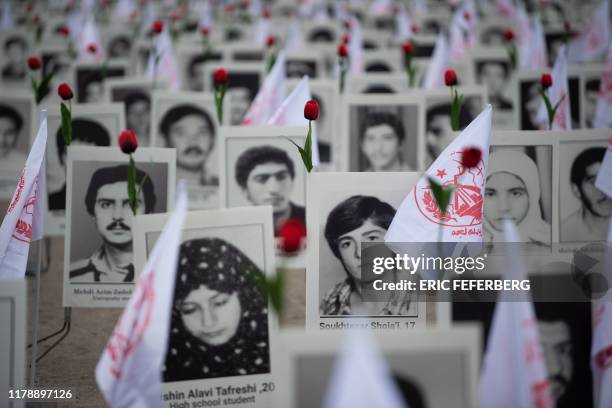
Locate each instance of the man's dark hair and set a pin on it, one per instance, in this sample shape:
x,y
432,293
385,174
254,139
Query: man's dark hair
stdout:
x,y
445,110
115,174
201,58
15,40
84,130
321,34
384,118
119,40
179,112
584,160
8,112
136,96
378,89
592,85
352,213
482,64
378,66
256,156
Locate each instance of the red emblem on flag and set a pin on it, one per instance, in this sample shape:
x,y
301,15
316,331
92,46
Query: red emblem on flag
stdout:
x,y
465,207
132,326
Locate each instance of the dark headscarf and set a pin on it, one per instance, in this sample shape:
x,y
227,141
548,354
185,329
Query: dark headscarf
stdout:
x,y
221,267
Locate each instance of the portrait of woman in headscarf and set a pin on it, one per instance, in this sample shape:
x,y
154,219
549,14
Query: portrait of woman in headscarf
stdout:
x,y
513,190
219,322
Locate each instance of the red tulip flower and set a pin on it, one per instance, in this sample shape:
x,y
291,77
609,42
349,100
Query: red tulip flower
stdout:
x,y
205,31
470,157
407,47
342,51
292,233
220,77
311,110
65,92
270,41
450,77
64,30
546,81
128,143
509,35
92,48
34,63
157,27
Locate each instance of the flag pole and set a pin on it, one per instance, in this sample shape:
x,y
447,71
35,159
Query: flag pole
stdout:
x,y
36,310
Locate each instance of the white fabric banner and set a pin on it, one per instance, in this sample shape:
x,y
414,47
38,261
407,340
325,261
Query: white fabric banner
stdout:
x,y
291,113
129,372
419,218
593,38
514,371
270,96
434,76
24,220
603,110
89,35
167,68
559,91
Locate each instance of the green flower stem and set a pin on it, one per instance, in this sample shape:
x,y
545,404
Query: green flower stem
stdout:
x,y
219,95
66,113
457,100
306,151
132,185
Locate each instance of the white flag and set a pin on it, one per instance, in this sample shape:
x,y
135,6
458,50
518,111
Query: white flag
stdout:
x,y
270,96
167,68
559,91
434,76
603,110
419,219
206,19
403,24
8,21
381,8
601,349
532,52
125,8
514,371
90,37
129,372
355,47
463,30
593,38
291,113
361,378
505,9
23,222
295,38
262,30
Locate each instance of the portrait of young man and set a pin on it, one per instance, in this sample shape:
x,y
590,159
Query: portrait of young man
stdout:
x,y
590,221
591,93
195,69
438,130
137,104
107,202
241,90
266,175
191,130
85,132
14,55
494,74
90,82
11,130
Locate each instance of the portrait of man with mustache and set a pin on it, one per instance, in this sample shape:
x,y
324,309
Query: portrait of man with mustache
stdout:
x,y
190,130
107,202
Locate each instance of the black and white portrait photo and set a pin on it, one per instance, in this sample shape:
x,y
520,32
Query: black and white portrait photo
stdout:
x,y
119,46
438,130
219,324
92,125
15,47
383,137
193,71
530,101
495,75
90,81
265,170
99,220
584,209
242,86
15,132
137,100
589,100
519,186
297,67
188,123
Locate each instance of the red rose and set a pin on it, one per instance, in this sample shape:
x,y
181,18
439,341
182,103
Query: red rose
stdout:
x,y
311,110
205,31
270,41
450,77
92,48
128,141
266,13
220,76
157,27
64,30
34,63
407,47
546,81
470,157
342,51
509,35
64,91
291,233
345,39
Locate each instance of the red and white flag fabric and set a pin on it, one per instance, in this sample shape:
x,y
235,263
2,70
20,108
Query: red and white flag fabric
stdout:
x,y
8,20
603,109
403,24
270,96
24,219
361,377
295,37
462,30
90,44
419,218
440,60
593,38
531,43
355,47
601,348
129,372
125,8
505,9
262,31
514,370
381,8
559,91
167,69
291,113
